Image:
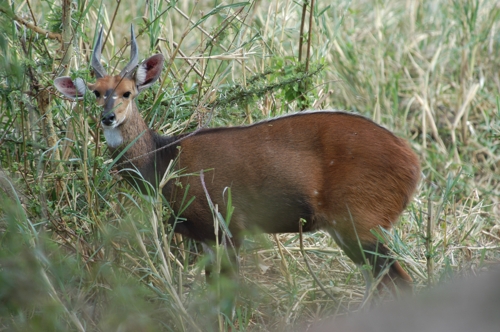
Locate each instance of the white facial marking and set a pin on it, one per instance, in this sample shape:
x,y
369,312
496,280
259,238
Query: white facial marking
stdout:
x,y
113,136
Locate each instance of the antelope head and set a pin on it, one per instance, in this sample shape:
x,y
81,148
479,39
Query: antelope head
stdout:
x,y
115,94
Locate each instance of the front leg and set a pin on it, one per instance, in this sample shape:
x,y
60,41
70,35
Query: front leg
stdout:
x,y
222,276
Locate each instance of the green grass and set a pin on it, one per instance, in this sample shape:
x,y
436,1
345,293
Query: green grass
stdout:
x,y
80,250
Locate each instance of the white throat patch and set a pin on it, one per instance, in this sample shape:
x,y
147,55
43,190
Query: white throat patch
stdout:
x,y
113,136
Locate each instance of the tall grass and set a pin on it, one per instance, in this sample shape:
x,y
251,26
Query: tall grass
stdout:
x,y
80,250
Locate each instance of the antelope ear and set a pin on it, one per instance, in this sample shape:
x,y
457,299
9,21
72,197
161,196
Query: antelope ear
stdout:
x,y
149,71
73,90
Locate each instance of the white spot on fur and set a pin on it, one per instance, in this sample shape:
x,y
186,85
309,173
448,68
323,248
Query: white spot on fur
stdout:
x,y
331,163
113,136
316,193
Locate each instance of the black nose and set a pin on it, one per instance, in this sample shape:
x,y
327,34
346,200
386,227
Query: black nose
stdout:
x,y
108,119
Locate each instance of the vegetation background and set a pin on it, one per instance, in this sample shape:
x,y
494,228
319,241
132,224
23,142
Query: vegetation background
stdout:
x,y
80,250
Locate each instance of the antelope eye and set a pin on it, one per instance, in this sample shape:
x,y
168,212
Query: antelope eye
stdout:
x,y
97,94
126,94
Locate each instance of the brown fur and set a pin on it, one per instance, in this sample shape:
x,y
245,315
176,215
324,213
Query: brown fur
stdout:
x,y
338,171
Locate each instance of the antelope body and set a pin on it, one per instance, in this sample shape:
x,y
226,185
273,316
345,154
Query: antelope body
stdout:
x,y
337,171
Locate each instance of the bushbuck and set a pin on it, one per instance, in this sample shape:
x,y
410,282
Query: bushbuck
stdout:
x,y
328,170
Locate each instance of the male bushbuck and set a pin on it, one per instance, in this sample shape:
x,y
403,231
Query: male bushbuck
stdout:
x,y
329,170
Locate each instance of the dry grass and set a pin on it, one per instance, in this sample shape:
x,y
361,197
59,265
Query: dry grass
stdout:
x,y
427,70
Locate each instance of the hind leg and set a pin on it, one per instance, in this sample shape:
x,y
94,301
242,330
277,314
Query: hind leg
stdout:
x,y
367,250
392,277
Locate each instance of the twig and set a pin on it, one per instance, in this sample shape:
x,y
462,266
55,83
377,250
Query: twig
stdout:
x,y
284,265
311,271
303,86
301,33
31,26
174,53
112,22
184,57
308,56
428,245
198,27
